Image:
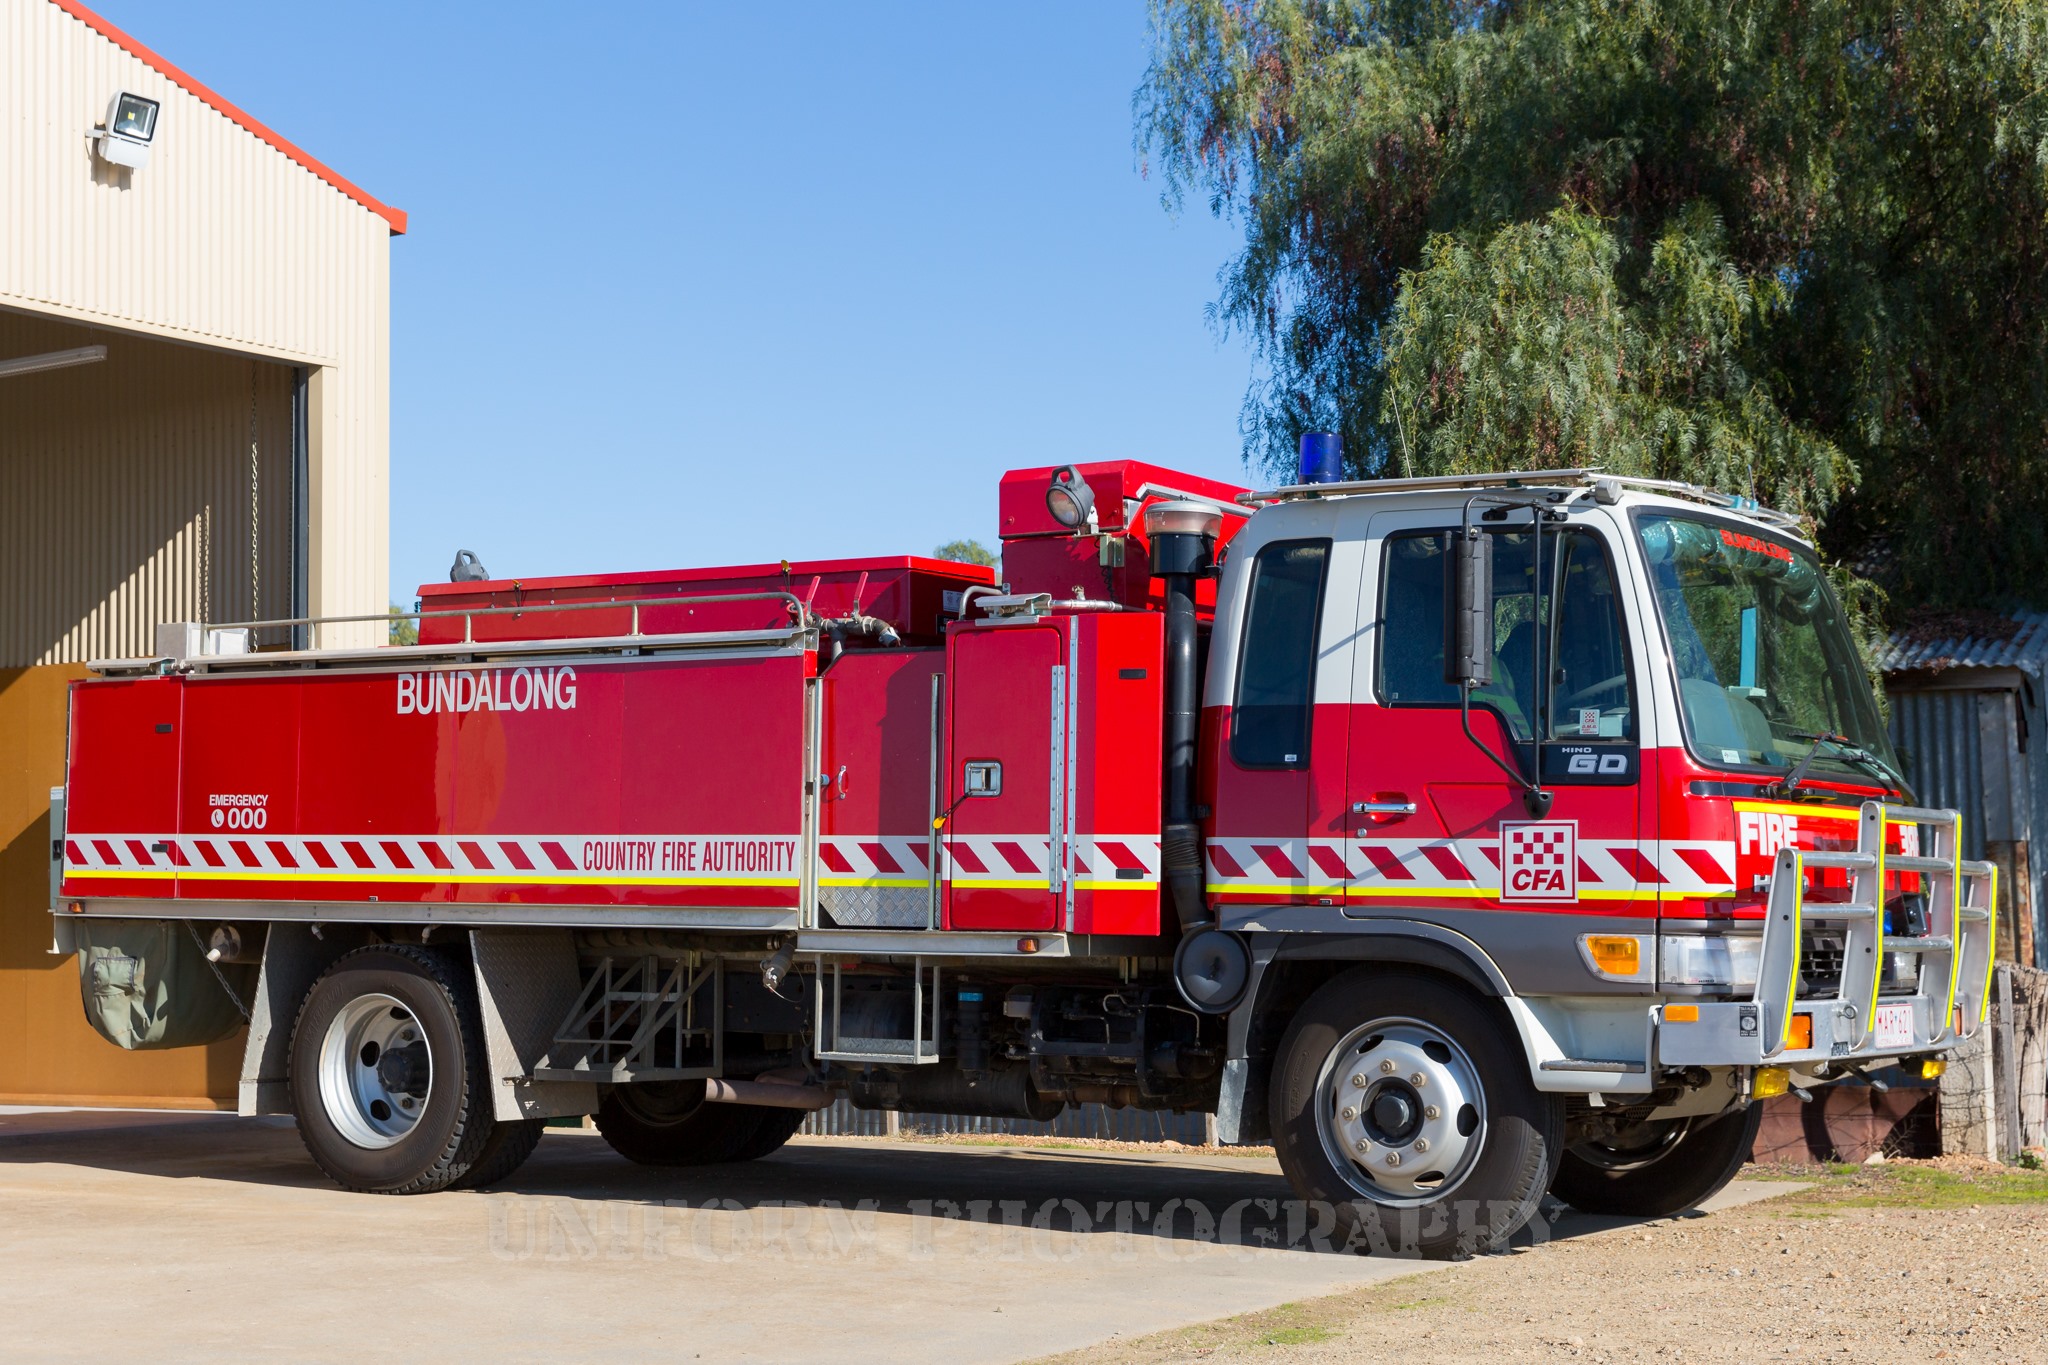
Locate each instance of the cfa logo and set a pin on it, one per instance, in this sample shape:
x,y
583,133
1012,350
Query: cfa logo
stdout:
x,y
1539,860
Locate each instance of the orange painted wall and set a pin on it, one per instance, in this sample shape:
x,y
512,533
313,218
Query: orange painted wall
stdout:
x,y
48,1053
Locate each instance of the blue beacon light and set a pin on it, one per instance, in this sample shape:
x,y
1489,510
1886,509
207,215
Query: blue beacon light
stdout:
x,y
1322,457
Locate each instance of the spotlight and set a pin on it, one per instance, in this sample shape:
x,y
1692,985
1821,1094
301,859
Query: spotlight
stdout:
x,y
131,127
1069,498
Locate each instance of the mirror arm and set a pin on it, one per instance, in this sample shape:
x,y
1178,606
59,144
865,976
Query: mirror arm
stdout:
x,y
1535,800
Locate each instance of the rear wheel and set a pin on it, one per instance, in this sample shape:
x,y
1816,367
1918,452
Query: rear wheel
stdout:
x,y
505,1151
778,1126
387,1069
1402,1102
670,1123
1653,1170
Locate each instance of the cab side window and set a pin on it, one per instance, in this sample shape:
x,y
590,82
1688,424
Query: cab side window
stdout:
x,y
1276,657
1574,632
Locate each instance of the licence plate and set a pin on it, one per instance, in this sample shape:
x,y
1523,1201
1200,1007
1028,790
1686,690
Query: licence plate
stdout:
x,y
1894,1025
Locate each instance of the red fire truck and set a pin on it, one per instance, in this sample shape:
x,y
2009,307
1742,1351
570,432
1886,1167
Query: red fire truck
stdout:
x,y
1465,838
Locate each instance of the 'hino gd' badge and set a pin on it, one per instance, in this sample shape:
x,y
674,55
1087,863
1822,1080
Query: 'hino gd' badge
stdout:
x,y
1539,860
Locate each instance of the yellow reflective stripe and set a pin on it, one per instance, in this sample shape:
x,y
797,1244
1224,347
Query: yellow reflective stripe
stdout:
x,y
1955,932
1479,893
1990,940
1877,974
1798,941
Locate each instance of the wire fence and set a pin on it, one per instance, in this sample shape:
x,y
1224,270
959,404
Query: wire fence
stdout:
x,y
842,1119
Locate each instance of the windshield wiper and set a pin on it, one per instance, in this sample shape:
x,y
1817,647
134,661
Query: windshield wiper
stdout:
x,y
1847,752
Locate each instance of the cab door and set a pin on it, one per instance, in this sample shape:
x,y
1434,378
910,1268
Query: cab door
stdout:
x,y
1440,825
1276,736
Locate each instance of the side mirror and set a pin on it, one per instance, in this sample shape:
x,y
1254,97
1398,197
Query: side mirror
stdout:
x,y
1468,609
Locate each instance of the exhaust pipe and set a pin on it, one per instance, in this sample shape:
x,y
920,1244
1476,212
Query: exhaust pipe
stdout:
x,y
768,1094
1183,536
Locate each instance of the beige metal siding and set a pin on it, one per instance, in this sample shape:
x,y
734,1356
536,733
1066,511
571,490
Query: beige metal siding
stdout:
x,y
126,493
221,241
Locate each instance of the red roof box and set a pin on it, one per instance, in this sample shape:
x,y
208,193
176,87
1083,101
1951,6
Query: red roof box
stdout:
x,y
911,593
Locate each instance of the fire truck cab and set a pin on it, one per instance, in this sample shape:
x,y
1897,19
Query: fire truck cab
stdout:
x,y
1466,838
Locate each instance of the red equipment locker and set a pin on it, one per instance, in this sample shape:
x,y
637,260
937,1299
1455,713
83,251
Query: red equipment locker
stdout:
x,y
1037,838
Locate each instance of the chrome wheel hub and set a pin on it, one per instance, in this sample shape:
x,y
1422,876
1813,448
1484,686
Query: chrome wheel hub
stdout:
x,y
1401,1112
376,1071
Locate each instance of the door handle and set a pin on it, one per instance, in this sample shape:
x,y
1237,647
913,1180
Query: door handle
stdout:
x,y
1395,808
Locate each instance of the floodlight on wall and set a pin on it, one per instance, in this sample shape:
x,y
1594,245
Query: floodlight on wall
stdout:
x,y
51,360
131,127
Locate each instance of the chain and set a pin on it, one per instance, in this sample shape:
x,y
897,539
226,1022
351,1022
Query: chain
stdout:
x,y
206,562
255,508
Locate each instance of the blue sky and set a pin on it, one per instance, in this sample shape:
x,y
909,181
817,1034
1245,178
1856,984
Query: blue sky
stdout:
x,y
695,284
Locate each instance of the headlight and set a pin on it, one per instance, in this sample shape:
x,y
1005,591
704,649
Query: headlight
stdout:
x,y
1720,961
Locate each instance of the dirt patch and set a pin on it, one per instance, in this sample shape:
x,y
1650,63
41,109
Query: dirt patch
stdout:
x,y
1903,1261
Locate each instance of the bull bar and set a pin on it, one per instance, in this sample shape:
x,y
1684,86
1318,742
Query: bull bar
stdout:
x,y
1951,993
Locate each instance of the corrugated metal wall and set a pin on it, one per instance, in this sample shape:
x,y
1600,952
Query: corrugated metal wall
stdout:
x,y
1970,749
222,241
1941,741
126,493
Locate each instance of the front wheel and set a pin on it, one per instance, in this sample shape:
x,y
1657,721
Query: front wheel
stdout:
x,y
1404,1104
1653,1170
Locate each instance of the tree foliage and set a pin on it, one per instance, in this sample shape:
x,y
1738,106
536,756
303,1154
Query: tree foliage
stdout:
x,y
967,552
1792,248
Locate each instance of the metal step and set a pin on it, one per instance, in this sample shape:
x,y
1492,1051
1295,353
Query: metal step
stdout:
x,y
1903,944
1854,862
1813,910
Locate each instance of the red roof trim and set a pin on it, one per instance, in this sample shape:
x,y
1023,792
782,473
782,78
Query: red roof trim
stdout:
x,y
395,217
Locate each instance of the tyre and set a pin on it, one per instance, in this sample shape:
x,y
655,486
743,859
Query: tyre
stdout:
x,y
1654,1170
505,1151
388,1071
778,1126
1404,1103
670,1123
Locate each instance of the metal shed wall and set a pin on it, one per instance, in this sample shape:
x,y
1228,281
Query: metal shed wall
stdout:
x,y
223,241
126,493
1965,739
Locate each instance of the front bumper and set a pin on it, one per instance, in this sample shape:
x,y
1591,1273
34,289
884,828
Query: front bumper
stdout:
x,y
1732,1033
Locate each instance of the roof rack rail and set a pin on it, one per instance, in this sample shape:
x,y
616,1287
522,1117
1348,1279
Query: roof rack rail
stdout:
x,y
1530,478
1514,478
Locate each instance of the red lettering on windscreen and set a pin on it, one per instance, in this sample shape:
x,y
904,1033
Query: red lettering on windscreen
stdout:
x,y
1739,541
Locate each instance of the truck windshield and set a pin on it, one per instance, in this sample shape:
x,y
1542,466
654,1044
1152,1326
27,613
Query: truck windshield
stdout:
x,y
1764,657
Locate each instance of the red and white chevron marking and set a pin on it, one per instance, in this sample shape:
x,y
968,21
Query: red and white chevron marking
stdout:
x,y
854,859
1681,867
741,859
1131,860
843,859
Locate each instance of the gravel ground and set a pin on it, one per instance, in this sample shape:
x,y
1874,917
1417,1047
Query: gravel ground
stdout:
x,y
1909,1261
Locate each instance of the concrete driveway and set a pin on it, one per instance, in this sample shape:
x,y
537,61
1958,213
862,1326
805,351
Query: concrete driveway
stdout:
x,y
181,1236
